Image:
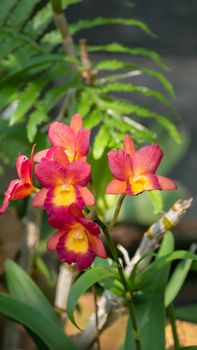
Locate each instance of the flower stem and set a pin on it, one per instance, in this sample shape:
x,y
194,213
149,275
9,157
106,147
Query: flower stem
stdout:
x,y
117,210
128,294
173,326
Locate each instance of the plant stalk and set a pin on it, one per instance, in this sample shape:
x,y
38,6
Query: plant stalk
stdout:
x,y
114,252
173,326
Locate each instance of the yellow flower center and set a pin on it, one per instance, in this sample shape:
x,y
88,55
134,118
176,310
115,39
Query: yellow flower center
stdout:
x,y
137,184
70,155
64,195
77,240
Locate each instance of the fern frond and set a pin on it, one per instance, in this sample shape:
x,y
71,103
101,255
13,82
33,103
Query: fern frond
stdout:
x,y
6,7
101,21
18,16
114,65
137,51
37,117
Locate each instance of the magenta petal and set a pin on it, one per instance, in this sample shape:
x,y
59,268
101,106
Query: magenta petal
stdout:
x,y
76,123
50,173
82,142
14,184
23,168
61,135
78,172
53,240
120,164
39,198
166,184
147,159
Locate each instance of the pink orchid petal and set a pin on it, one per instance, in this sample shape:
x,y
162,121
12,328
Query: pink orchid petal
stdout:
x,y
147,159
87,196
97,245
50,173
53,240
61,135
22,191
60,157
76,123
82,142
129,146
78,173
116,187
120,164
23,168
9,194
166,184
39,156
39,198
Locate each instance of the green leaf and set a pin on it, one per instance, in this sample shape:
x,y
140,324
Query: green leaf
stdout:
x,y
39,22
101,142
143,277
137,51
83,283
177,280
26,100
17,17
45,328
6,7
187,313
117,86
149,306
113,65
157,201
35,119
189,348
100,21
24,289
92,119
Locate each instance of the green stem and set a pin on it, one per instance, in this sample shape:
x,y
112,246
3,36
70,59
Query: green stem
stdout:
x,y
117,210
124,281
173,326
57,6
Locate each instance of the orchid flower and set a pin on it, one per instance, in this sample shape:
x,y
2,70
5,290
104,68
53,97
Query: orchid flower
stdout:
x,y
77,239
62,186
134,170
73,139
21,187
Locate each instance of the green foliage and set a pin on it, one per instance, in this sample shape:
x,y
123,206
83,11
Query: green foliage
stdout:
x,y
83,283
28,306
36,78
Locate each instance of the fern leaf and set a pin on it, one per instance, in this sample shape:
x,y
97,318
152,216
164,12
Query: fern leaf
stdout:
x,y
114,65
26,100
134,88
18,16
138,51
85,102
6,7
121,107
101,141
92,119
52,39
39,22
35,119
100,21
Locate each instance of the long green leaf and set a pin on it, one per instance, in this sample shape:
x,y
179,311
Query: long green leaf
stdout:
x,y
24,289
177,280
83,283
149,306
45,328
101,141
187,313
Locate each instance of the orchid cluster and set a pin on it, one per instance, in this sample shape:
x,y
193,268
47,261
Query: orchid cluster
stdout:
x,y
63,172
